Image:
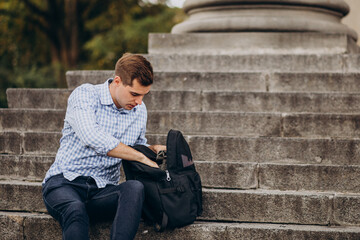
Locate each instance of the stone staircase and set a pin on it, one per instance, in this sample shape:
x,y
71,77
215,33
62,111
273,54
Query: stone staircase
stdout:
x,y
276,139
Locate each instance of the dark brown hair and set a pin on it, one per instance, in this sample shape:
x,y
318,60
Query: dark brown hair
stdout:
x,y
134,66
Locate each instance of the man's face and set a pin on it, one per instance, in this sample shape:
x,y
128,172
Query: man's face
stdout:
x,y
127,97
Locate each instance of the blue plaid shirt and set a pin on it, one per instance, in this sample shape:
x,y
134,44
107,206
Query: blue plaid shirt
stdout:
x,y
93,126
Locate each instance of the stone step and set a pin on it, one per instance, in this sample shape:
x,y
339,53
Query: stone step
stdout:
x,y
247,40
276,176
217,174
45,98
262,206
280,102
311,125
256,80
305,177
41,226
257,62
337,151
25,167
205,101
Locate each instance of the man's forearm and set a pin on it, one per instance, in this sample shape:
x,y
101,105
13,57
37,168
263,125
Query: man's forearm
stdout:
x,y
127,153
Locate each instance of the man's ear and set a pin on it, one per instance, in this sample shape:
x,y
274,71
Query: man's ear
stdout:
x,y
117,80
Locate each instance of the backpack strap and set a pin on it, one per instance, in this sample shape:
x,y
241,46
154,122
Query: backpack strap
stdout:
x,y
164,223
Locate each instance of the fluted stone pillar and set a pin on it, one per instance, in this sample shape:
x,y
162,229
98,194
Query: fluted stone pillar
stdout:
x,y
259,26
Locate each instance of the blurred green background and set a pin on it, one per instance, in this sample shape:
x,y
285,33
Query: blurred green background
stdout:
x,y
41,39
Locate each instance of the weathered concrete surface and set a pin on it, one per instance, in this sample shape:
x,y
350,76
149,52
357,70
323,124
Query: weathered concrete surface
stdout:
x,y
225,123
237,43
215,123
224,205
301,177
29,119
321,125
11,226
256,124
267,206
353,62
220,148
286,232
222,174
81,77
208,101
288,150
174,100
180,80
20,167
346,209
41,143
257,63
214,174
228,174
21,196
10,143
281,102
36,227
42,226
45,98
315,82
255,81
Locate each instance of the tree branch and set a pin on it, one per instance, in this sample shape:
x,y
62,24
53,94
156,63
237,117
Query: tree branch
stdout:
x,y
35,9
34,21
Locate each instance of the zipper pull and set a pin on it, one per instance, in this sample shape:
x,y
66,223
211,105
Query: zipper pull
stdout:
x,y
168,178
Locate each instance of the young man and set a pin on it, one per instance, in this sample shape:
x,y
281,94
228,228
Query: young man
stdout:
x,y
100,122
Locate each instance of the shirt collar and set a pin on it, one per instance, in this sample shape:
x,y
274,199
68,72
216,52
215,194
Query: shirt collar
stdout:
x,y
105,96
106,99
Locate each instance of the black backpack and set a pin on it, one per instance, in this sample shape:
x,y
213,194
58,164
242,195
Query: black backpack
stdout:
x,y
173,197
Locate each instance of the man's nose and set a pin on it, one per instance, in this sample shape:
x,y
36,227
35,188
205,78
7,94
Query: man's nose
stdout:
x,y
138,100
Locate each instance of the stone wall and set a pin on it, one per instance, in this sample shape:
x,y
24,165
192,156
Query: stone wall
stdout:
x,y
353,19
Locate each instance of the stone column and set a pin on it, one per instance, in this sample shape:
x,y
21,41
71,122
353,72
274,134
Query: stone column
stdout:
x,y
260,26
265,16
353,18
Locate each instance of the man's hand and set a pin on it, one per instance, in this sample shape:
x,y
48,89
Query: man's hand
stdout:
x,y
157,148
127,153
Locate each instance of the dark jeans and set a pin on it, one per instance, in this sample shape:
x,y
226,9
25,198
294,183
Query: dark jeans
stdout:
x,y
74,203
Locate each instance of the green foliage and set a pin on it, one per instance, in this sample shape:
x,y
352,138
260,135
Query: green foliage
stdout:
x,y
27,77
41,39
24,56
130,36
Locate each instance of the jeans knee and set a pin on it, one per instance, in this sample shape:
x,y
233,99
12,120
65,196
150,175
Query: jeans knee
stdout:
x,y
136,188
75,212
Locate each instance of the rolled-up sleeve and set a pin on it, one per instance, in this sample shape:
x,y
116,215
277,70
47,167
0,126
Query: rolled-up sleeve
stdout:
x,y
82,118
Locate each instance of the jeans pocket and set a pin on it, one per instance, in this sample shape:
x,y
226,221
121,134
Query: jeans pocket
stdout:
x,y
52,183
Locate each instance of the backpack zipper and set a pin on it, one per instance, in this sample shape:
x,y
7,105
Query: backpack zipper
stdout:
x,y
168,178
